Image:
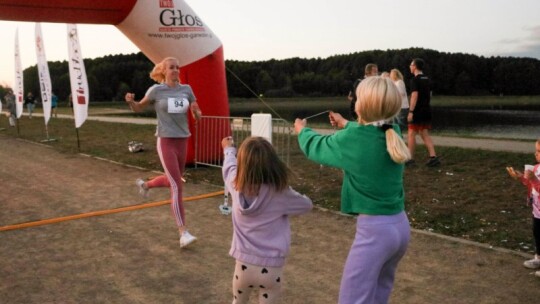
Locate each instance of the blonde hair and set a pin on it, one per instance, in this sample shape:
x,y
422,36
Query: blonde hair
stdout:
x,y
158,72
379,99
258,163
397,73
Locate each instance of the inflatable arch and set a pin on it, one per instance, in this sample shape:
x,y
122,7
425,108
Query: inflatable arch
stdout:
x,y
159,28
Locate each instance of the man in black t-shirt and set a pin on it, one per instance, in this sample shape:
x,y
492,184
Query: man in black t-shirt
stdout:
x,y
371,69
419,117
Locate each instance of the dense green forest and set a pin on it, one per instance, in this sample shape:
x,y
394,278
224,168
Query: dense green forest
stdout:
x,y
111,76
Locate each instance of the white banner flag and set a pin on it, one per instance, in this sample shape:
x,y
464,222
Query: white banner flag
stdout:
x,y
44,76
77,77
18,83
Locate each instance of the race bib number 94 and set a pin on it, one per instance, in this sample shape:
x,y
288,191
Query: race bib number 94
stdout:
x,y
176,105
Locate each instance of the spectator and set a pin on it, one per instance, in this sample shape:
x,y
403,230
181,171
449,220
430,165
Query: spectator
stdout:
x,y
371,69
54,104
262,203
397,78
530,178
419,117
11,107
371,154
30,102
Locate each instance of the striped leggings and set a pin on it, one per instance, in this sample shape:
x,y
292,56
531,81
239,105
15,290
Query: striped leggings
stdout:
x,y
172,153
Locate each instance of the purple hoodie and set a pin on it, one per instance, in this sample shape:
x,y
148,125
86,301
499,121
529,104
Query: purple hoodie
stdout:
x,y
261,230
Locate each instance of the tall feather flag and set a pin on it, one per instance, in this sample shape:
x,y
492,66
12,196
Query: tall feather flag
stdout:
x,y
18,83
77,77
44,76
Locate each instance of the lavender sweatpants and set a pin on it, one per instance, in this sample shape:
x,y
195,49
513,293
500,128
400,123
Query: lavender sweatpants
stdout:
x,y
380,243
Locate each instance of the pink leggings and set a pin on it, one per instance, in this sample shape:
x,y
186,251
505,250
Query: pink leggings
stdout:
x,y
172,153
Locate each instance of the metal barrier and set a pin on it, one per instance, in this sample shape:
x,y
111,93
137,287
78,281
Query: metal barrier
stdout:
x,y
208,150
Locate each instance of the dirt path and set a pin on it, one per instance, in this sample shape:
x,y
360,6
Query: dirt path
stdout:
x,y
134,257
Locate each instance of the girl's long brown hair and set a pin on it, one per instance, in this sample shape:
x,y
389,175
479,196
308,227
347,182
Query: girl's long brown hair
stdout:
x,y
258,163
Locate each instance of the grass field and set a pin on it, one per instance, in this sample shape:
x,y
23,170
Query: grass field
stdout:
x,y
469,196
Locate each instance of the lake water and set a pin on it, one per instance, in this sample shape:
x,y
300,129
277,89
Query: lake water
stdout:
x,y
509,124
512,124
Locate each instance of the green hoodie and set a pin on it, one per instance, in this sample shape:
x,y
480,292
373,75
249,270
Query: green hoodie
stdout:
x,y
372,181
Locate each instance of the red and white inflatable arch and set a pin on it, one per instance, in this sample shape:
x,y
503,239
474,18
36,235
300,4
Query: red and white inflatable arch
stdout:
x,y
159,28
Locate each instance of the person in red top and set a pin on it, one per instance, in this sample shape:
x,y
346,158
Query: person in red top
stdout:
x,y
531,179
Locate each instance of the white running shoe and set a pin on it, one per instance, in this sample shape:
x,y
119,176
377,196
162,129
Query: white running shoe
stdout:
x,y
532,264
186,239
142,190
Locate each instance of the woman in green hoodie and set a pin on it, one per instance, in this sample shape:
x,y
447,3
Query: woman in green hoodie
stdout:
x,y
371,153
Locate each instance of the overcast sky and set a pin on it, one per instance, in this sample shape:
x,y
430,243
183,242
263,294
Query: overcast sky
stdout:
x,y
261,30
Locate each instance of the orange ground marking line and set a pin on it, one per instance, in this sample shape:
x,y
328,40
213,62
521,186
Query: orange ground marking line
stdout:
x,y
104,212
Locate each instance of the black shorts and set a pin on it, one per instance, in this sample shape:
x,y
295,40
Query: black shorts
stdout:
x,y
421,116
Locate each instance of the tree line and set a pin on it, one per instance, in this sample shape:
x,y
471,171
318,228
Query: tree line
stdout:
x,y
110,77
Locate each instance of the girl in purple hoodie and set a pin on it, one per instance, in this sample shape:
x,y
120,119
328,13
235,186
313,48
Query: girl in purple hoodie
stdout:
x,y
261,202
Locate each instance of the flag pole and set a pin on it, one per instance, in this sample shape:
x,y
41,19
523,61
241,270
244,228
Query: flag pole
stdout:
x,y
48,139
1,128
78,141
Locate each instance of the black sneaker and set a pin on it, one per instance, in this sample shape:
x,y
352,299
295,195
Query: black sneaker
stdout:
x,y
410,162
433,161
